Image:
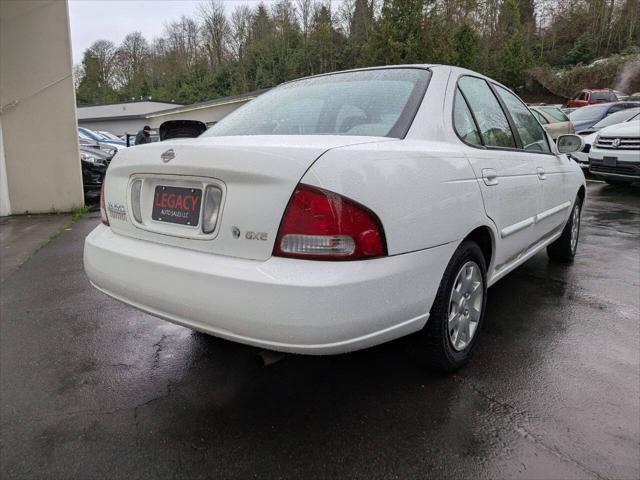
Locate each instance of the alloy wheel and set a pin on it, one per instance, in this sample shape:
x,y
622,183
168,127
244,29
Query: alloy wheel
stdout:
x,y
465,305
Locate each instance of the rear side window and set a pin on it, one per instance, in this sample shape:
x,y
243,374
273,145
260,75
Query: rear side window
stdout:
x,y
463,121
555,113
531,133
492,122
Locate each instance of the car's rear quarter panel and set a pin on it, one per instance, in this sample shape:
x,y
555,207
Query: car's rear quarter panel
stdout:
x,y
424,193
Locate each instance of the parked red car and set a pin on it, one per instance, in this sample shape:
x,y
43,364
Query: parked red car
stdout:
x,y
589,97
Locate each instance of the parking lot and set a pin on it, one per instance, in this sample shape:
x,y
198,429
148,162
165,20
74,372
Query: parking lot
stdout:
x,y
91,388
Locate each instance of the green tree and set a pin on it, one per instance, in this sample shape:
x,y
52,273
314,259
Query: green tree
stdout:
x,y
396,34
323,41
583,49
466,44
97,84
513,61
513,57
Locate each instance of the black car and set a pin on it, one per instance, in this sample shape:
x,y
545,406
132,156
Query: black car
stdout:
x,y
94,167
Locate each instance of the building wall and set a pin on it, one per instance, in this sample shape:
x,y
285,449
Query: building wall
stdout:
x,y
130,108
37,102
117,127
211,114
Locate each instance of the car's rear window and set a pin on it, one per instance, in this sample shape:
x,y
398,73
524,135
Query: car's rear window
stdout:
x,y
588,113
555,113
379,103
608,96
618,117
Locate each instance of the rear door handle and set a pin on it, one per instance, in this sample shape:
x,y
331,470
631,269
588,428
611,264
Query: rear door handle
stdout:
x,y
541,174
490,176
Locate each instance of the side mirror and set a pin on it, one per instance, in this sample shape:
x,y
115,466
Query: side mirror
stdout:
x,y
570,143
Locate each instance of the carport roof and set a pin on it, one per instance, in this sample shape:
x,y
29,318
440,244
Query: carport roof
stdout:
x,y
115,117
209,103
181,108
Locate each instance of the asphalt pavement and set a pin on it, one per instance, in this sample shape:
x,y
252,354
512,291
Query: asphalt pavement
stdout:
x,y
91,388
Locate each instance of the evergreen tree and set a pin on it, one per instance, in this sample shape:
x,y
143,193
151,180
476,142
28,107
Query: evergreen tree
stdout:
x,y
513,57
467,45
583,49
396,34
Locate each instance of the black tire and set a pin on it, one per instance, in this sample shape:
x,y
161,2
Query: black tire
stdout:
x,y
617,183
433,345
562,250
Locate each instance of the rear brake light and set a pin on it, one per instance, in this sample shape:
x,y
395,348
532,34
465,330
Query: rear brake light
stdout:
x,y
322,225
103,210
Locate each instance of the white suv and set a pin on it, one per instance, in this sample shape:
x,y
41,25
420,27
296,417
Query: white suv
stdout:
x,y
615,155
341,211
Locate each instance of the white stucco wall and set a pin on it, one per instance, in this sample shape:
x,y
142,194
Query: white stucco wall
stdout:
x,y
117,127
209,114
130,108
37,107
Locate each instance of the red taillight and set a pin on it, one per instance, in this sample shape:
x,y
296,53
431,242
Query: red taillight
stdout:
x,y
322,225
103,209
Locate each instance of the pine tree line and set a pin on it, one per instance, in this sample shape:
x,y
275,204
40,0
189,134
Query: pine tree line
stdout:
x,y
218,53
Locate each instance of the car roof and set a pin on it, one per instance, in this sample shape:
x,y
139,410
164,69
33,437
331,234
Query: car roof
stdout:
x,y
425,66
609,104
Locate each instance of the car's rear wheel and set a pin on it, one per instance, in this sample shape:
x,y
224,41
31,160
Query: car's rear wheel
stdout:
x,y
565,247
448,338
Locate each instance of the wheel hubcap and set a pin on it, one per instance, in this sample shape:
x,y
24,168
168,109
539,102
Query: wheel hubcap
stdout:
x,y
465,305
575,227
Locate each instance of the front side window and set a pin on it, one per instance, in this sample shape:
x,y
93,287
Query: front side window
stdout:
x,y
379,103
463,121
531,133
492,122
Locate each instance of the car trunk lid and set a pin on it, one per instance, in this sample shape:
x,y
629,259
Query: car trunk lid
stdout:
x,y
160,186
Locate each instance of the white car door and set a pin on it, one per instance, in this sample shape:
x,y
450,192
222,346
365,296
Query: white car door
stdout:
x,y
553,170
507,176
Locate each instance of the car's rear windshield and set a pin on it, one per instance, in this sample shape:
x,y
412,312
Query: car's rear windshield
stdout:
x,y
555,113
609,96
587,113
618,117
380,103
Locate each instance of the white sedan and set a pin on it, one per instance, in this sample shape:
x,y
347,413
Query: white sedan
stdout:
x,y
341,211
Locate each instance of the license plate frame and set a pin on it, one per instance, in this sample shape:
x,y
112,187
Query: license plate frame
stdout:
x,y
176,205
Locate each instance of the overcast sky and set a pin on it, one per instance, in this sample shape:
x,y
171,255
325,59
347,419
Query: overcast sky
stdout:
x,y
93,20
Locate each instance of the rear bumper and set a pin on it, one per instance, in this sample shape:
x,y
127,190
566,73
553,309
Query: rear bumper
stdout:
x,y
279,304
